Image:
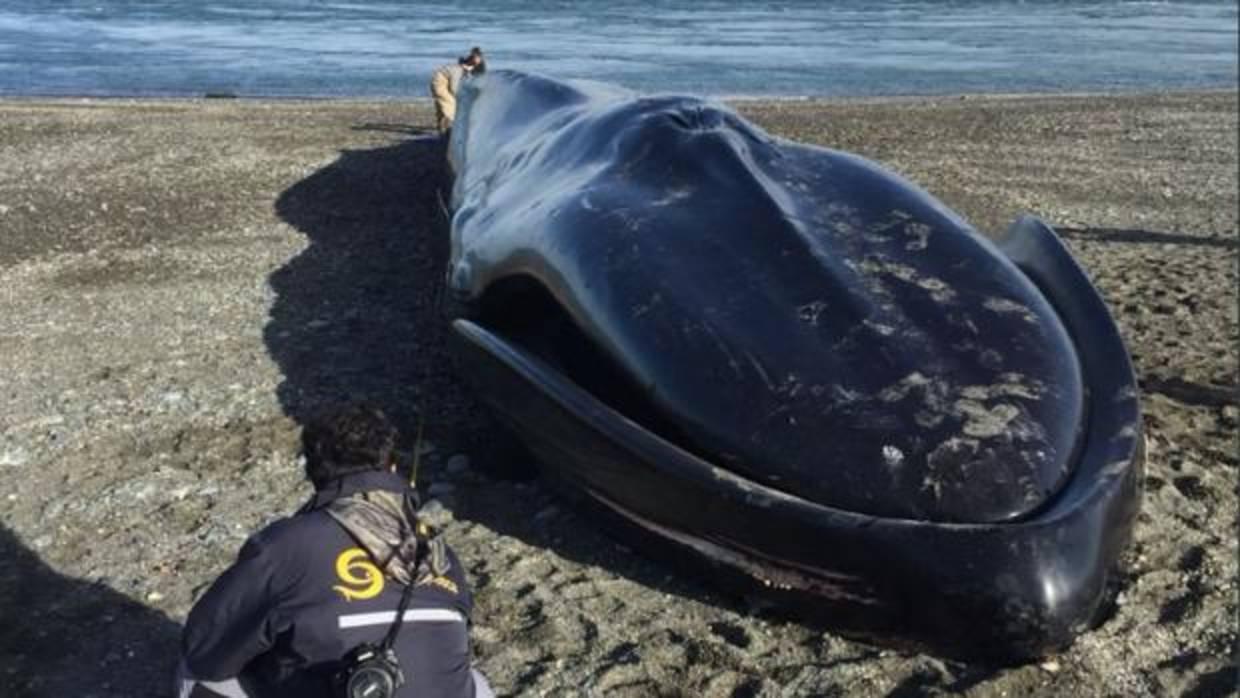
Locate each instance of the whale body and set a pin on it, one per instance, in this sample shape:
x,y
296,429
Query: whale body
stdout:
x,y
792,364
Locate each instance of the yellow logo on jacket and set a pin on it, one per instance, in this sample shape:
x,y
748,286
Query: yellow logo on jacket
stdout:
x,y
362,578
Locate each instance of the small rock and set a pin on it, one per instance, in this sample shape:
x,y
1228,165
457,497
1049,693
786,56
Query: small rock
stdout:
x,y
434,513
1051,666
485,633
14,457
457,464
154,596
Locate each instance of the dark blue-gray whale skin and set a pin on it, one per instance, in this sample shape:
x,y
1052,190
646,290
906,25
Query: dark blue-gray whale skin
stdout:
x,y
793,365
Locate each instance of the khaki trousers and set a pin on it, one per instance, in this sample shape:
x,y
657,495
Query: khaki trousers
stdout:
x,y
445,102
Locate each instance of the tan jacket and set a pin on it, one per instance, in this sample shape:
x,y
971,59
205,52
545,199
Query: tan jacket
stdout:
x,y
447,77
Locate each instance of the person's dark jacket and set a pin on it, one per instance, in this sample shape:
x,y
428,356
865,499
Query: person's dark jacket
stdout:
x,y
302,594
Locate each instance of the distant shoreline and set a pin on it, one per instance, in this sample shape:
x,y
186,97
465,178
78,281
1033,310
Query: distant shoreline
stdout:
x,y
225,97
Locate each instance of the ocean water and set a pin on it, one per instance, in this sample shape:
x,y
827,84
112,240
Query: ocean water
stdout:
x,y
384,48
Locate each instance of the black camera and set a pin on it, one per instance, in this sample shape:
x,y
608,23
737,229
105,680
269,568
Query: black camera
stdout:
x,y
370,671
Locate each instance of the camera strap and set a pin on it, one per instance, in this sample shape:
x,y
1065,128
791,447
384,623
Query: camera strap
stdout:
x,y
423,547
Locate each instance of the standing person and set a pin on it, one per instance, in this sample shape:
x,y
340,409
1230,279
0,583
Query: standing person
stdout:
x,y
444,83
308,590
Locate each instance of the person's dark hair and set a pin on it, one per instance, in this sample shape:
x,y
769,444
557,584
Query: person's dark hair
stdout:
x,y
475,59
347,440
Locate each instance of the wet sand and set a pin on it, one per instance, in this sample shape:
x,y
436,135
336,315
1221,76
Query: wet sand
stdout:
x,y
182,282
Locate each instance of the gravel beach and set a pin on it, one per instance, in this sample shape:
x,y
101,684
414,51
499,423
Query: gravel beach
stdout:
x,y
183,282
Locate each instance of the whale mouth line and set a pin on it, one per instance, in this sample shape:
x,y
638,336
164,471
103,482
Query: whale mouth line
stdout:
x,y
770,572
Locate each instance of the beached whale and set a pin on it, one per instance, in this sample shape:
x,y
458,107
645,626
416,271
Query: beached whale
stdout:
x,y
793,368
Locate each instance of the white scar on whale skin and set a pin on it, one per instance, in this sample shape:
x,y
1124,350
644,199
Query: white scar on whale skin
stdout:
x,y
1006,306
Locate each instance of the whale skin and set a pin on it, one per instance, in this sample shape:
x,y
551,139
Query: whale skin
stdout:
x,y
791,369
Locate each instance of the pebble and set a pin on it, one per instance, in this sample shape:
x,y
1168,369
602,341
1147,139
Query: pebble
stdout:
x,y
14,457
154,596
1051,666
435,514
485,633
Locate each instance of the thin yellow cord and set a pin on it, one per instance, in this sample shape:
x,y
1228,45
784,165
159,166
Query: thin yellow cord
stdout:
x,y
417,452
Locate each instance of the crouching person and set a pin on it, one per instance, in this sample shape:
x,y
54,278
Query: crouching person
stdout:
x,y
310,607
